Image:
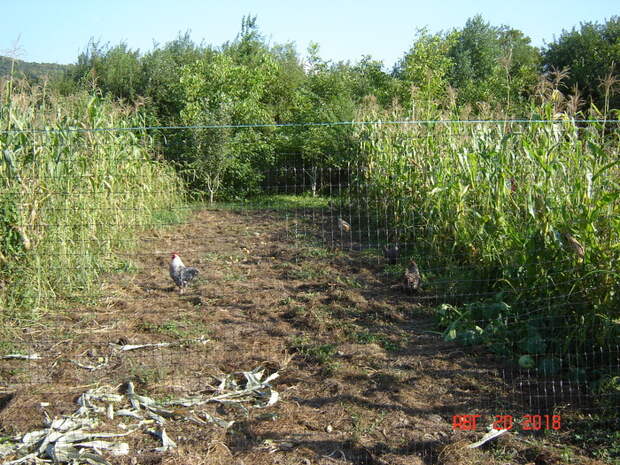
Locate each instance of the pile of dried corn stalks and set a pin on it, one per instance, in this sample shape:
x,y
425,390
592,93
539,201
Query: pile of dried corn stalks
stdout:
x,y
80,437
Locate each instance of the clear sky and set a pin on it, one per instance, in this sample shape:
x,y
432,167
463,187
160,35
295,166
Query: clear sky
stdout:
x,y
58,30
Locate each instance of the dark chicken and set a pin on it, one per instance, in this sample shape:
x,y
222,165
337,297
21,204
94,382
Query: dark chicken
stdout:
x,y
391,253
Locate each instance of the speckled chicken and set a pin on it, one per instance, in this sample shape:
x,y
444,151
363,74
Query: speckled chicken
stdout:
x,y
181,274
411,278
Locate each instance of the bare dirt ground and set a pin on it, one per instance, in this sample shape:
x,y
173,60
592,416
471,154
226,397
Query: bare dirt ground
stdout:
x,y
364,379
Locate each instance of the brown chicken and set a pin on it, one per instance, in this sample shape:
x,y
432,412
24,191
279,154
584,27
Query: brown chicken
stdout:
x,y
575,246
343,225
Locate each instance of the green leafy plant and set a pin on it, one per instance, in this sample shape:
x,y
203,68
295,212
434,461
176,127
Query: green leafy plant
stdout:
x,y
70,200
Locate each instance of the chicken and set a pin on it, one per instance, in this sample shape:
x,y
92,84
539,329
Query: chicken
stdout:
x,y
391,253
412,279
343,225
181,274
575,246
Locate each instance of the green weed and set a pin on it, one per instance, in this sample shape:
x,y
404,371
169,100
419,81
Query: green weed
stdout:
x,y
322,354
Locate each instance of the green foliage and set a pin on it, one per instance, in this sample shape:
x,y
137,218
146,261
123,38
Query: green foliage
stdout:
x,y
219,91
591,54
162,88
479,64
248,81
520,64
490,205
492,64
475,55
476,323
325,96
34,73
70,200
120,72
312,352
368,80
426,67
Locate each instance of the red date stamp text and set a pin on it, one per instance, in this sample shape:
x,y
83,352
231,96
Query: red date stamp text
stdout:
x,y
508,422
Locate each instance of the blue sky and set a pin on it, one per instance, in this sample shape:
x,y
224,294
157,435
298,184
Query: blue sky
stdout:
x,y
57,30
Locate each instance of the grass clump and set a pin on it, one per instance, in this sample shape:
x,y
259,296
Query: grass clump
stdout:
x,y
71,198
315,353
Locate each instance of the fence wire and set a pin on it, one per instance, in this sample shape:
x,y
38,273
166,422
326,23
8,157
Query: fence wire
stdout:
x,y
309,280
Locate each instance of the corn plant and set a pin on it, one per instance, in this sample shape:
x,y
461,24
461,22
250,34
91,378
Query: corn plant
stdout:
x,y
528,212
70,197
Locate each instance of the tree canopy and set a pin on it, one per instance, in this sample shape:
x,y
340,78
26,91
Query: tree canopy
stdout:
x,y
591,56
478,70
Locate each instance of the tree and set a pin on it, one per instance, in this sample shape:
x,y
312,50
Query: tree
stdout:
x,y
120,72
161,84
426,67
220,92
492,64
114,70
282,92
325,96
369,79
592,55
475,55
520,64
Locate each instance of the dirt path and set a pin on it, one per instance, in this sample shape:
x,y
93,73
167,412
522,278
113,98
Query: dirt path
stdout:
x,y
364,380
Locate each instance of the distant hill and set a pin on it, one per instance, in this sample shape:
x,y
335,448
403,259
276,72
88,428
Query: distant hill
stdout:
x,y
31,71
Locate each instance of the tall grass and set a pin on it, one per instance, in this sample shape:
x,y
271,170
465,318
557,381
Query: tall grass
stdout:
x,y
70,200
497,203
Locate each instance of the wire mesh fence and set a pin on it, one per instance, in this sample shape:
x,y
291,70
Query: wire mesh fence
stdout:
x,y
395,339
